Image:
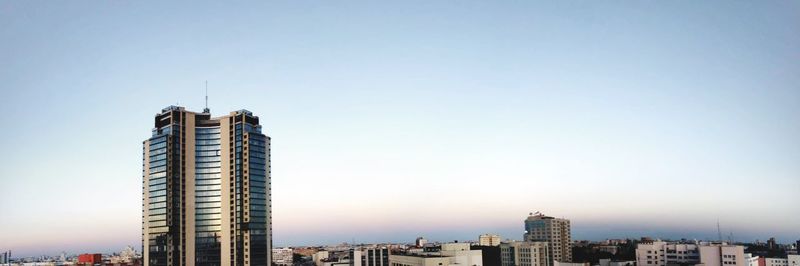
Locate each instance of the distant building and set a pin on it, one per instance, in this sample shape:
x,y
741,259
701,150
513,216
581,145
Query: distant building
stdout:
x,y
319,256
282,256
655,253
446,254
525,254
660,253
489,240
378,256
555,231
771,244
420,242
90,259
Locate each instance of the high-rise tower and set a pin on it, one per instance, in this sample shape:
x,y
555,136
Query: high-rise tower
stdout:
x,y
539,227
206,196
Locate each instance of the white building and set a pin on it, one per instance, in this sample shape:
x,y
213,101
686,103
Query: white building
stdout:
x,y
455,254
418,260
776,262
750,260
609,262
722,255
660,253
377,256
524,254
489,240
319,257
794,260
282,256
655,253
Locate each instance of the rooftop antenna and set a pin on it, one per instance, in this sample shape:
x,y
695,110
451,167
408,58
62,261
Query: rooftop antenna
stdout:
x,y
206,110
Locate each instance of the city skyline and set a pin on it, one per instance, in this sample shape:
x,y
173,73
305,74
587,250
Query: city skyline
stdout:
x,y
395,120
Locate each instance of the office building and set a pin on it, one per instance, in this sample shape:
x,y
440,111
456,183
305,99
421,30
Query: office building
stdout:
x,y
525,254
554,231
206,190
489,240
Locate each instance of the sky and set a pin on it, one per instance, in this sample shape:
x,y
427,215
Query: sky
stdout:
x,y
396,119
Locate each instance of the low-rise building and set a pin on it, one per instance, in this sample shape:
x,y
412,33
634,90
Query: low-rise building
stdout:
x,y
750,260
282,256
456,254
794,260
776,262
660,253
609,262
722,255
418,260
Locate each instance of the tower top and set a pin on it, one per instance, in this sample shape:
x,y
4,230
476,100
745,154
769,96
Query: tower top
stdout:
x,y
206,110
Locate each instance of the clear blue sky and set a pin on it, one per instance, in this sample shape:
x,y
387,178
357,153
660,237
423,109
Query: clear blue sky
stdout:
x,y
390,120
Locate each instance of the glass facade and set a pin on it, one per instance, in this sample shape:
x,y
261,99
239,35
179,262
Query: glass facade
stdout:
x,y
160,196
258,191
168,195
207,189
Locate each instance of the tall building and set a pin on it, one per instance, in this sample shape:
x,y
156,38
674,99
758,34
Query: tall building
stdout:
x,y
554,231
524,254
489,240
206,190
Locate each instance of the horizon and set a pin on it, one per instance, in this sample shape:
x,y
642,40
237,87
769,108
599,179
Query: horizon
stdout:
x,y
404,119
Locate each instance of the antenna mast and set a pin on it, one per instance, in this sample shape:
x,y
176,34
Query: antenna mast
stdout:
x,y
719,232
206,110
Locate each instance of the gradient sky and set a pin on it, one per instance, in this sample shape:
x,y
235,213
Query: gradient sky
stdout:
x,y
391,120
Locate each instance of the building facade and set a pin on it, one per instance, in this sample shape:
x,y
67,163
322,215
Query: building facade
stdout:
x,y
663,253
722,255
378,256
206,190
776,262
282,256
489,240
556,232
525,254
